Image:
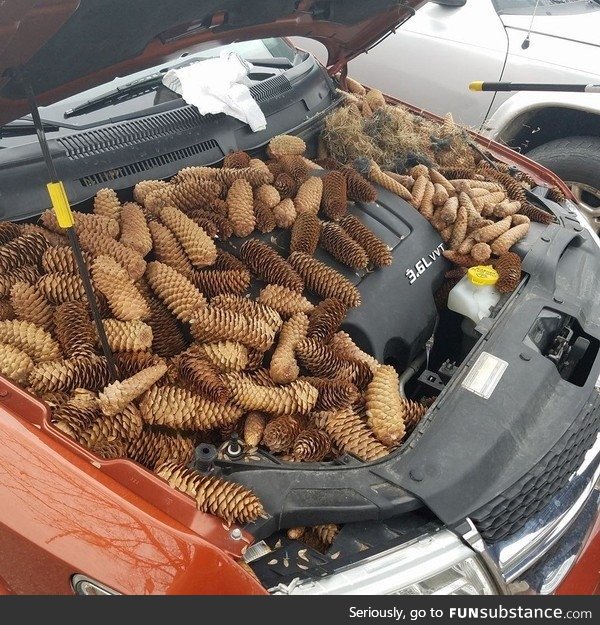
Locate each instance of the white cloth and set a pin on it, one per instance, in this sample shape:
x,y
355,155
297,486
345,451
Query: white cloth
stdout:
x,y
213,86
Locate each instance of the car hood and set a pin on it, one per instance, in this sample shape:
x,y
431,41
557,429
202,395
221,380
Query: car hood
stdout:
x,y
61,47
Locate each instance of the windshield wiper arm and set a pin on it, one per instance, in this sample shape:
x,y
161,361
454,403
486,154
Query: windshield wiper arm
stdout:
x,y
22,127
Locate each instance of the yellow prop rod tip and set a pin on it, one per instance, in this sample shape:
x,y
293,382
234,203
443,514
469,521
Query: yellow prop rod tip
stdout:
x,y
60,204
476,85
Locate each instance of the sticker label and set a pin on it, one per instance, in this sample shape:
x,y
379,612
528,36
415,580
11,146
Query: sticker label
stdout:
x,y
485,375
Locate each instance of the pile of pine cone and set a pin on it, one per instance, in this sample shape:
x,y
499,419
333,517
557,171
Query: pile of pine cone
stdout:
x,y
197,358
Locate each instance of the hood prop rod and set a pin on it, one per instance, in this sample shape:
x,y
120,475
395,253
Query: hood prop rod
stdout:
x,y
64,216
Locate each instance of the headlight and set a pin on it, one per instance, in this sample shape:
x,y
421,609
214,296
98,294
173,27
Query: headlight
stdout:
x,y
439,564
85,586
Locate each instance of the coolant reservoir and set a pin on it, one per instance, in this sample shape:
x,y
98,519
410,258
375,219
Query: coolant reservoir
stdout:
x,y
475,294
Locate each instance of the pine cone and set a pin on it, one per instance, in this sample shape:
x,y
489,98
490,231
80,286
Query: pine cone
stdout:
x,y
124,426
536,214
29,304
24,250
413,413
481,252
117,395
504,242
203,377
333,394
321,360
284,214
179,408
167,249
459,259
334,201
254,427
131,260
214,282
377,251
295,166
267,265
265,219
184,193
280,433
352,435
225,260
134,229
309,195
130,363
142,189
6,310
342,247
286,144
256,163
294,398
284,368
268,195
26,273
237,160
128,336
240,205
58,288
51,238
74,330
285,301
343,345
155,447
359,189
227,356
31,339
312,445
385,409
8,232
556,195
323,280
326,319
249,308
15,363
60,260
67,375
168,339
106,204
178,294
229,501
388,182
212,223
84,222
217,324
72,419
508,267
306,232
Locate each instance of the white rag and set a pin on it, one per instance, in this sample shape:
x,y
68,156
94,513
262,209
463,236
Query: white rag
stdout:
x,y
213,86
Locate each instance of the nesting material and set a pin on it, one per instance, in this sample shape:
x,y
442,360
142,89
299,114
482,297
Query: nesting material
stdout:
x,y
267,265
342,246
352,435
377,251
15,363
198,246
283,367
30,304
128,336
285,301
281,433
385,413
334,200
298,397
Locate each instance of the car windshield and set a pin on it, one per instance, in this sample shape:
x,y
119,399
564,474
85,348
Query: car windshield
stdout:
x,y
527,7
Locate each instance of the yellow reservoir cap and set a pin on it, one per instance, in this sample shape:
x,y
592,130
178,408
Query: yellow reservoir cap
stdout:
x,y
483,275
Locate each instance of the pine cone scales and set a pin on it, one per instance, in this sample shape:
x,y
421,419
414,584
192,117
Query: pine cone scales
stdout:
x,y
413,413
240,208
343,345
29,338
508,267
130,363
67,375
334,201
8,232
359,189
125,427
179,408
280,433
24,250
229,501
15,363
167,339
61,287
342,247
203,377
377,251
265,219
154,447
537,214
286,144
92,224
227,356
333,394
106,204
72,419
178,294
29,304
385,409
321,360
265,263
74,330
326,319
167,249
312,445
131,260
285,301
213,282
352,435
254,427
185,194
212,223
60,260
116,396
284,368
323,280
306,232
296,398
308,197
249,308
6,310
128,336
134,229
285,214
27,273
505,241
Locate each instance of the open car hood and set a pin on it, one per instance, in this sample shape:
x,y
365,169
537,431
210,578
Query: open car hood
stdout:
x,y
62,47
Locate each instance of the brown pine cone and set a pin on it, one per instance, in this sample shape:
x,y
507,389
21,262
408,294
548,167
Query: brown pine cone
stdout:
x,y
508,267
84,222
556,195
325,533
74,330
128,336
6,310
323,280
132,261
333,394
106,204
334,201
505,241
286,144
227,356
459,229
322,361
342,247
257,163
115,397
26,249
60,260
249,308
73,419
240,208
61,287
213,282
254,427
387,182
284,214
31,339
217,324
134,229
142,189
280,433
26,273
212,223
481,252
514,189
8,232
229,501
155,447
489,233
124,426
167,249
124,299
203,377
178,294
67,375
385,409
309,195
413,413
295,398
285,301
168,339
536,214
237,160
283,367
359,189
29,304
268,195
267,265
295,166
225,260
349,432
198,246
343,345
463,260
306,232
184,193
179,408
312,445
377,251
15,363
130,363
265,219
325,319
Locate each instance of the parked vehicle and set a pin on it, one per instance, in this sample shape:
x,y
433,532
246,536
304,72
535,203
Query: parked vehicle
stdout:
x,y
449,43
494,491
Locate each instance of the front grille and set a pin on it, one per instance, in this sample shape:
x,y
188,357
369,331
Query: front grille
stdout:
x,y
508,512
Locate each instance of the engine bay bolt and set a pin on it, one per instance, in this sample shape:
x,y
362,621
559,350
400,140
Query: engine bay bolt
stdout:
x,y
525,357
416,475
236,534
558,300
234,449
546,239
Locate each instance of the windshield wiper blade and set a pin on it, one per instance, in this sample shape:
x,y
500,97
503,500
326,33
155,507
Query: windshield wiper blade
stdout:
x,y
125,92
23,127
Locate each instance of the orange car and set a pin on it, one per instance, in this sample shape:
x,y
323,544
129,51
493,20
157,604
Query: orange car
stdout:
x,y
495,490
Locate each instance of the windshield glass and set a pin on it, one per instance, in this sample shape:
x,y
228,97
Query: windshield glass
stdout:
x,y
527,7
